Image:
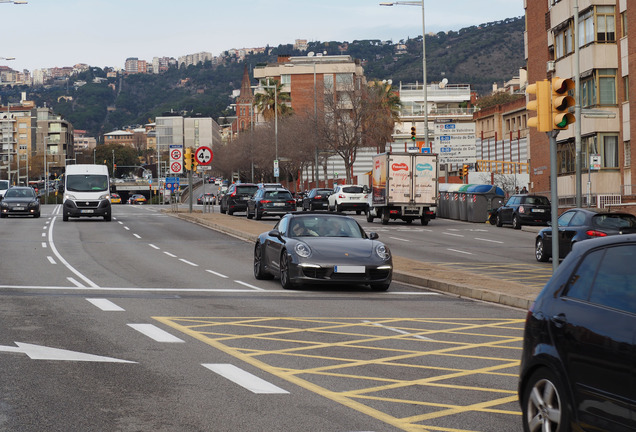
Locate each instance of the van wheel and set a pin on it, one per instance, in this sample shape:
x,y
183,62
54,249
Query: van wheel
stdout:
x,y
543,403
107,217
65,216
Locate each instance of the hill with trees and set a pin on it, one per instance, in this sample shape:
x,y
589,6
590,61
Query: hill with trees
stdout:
x,y
478,55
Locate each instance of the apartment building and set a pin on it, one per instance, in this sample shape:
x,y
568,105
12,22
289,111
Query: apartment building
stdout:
x,y
604,62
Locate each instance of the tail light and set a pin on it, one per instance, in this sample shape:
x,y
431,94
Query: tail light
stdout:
x,y
317,197
521,209
233,194
291,202
266,201
595,233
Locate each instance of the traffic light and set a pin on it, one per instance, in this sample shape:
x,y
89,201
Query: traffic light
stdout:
x,y
194,162
561,103
413,133
542,105
465,170
187,159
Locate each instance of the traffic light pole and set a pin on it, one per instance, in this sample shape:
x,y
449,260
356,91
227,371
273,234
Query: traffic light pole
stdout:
x,y
554,199
190,188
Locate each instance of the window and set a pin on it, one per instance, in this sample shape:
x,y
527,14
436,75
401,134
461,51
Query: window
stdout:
x,y
614,285
583,278
566,157
285,79
563,42
623,24
627,153
599,88
605,20
328,79
605,145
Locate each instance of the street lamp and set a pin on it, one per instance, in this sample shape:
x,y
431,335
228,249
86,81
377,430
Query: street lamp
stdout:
x,y
424,84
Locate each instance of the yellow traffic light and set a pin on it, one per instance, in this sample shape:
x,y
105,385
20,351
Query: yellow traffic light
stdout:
x,y
561,103
187,159
542,105
194,164
465,170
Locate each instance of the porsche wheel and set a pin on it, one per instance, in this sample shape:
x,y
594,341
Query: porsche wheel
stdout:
x,y
285,282
259,272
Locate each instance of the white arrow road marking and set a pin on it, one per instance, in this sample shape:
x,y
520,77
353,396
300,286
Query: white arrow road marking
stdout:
x,y
38,352
245,379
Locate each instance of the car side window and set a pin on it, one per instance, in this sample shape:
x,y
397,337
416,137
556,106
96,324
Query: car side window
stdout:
x,y
282,225
564,219
615,282
581,280
578,219
513,201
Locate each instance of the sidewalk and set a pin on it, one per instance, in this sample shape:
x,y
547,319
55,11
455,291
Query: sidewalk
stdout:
x,y
419,273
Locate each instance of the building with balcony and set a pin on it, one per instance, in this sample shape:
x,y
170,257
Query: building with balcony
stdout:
x,y
606,55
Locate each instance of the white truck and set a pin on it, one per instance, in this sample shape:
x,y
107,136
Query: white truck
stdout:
x,y
4,185
86,192
404,186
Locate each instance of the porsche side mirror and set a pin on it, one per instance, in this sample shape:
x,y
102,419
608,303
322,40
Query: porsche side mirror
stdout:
x,y
374,235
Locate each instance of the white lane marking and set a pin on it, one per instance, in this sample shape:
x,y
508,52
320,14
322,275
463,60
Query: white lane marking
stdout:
x,y
76,283
244,379
454,235
458,251
44,245
155,333
188,262
488,240
51,260
217,274
126,228
248,285
153,246
44,234
63,261
120,222
169,254
137,235
404,332
105,305
400,239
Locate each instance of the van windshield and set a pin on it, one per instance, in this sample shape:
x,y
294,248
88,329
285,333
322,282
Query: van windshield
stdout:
x,y
4,184
86,183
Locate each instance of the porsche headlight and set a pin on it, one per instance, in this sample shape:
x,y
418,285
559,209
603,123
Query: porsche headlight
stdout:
x,y
302,250
383,252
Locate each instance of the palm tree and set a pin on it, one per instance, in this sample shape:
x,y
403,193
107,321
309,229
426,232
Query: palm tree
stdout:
x,y
264,102
385,106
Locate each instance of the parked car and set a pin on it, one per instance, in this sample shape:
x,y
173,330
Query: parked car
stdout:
x,y
115,198
270,202
582,224
20,200
316,199
235,199
577,365
523,209
270,185
308,248
349,197
137,199
208,198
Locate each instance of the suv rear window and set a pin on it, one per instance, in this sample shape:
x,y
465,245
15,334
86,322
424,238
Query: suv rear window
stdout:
x,y
284,195
614,221
247,190
353,189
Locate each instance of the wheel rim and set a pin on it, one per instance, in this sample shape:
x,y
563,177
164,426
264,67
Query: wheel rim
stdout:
x,y
257,260
539,250
544,407
284,270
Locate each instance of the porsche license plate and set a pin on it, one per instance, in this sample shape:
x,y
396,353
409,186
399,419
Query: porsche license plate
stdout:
x,y
348,269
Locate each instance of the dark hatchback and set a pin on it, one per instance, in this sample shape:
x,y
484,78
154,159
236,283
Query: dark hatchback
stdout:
x,y
578,367
523,209
235,199
316,199
20,200
582,224
270,202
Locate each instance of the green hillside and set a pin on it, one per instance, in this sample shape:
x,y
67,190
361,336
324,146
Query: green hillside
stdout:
x,y
478,55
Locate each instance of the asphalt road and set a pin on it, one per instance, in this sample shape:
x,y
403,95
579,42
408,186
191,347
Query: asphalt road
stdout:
x,y
150,323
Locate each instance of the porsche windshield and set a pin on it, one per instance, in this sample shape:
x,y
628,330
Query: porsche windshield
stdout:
x,y
87,183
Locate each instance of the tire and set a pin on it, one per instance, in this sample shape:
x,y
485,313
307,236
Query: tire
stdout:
x,y
230,212
248,214
543,403
540,252
384,216
107,217
284,271
259,272
338,208
425,221
498,221
3,215
36,215
369,217
382,286
221,209
358,212
516,223
65,216
258,215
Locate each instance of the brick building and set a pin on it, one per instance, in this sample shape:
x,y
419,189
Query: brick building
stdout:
x,y
605,60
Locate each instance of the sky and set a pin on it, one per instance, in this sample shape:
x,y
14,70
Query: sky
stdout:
x,y
57,33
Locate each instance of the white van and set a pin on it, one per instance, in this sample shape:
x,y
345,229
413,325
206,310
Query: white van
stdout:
x,y
86,192
4,185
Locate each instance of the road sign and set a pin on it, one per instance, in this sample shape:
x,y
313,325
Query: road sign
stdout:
x,y
175,153
204,155
176,167
176,158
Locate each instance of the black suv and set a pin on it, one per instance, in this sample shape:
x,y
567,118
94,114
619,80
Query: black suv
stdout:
x,y
235,199
523,209
579,348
